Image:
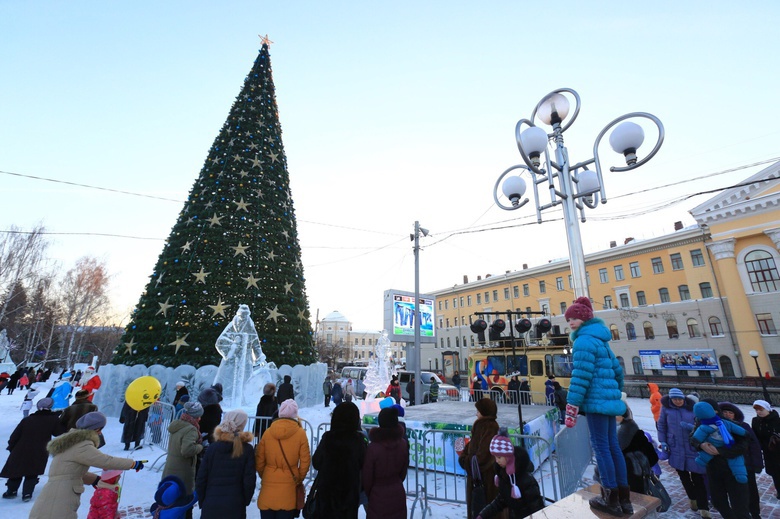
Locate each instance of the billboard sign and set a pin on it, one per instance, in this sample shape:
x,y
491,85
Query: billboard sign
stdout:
x,y
399,316
695,360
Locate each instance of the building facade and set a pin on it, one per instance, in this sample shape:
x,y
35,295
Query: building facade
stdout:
x,y
712,286
349,346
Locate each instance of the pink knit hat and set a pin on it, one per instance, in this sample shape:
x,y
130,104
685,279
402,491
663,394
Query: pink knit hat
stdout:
x,y
288,409
581,309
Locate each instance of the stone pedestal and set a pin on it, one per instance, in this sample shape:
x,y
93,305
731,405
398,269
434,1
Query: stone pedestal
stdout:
x,y
576,505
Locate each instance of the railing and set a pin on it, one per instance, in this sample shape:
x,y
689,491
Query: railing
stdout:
x,y
156,431
505,397
434,471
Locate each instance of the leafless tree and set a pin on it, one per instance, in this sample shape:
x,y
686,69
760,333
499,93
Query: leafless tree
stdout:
x,y
84,301
329,352
21,256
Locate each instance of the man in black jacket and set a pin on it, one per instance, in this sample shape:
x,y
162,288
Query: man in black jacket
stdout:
x,y
285,391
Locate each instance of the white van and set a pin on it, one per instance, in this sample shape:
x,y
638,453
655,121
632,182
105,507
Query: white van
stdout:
x,y
358,376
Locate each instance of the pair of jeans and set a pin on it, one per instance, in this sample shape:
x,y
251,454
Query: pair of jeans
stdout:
x,y
695,488
27,488
609,457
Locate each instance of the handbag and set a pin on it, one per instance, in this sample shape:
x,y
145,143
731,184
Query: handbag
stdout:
x,y
300,490
478,492
310,507
774,443
654,487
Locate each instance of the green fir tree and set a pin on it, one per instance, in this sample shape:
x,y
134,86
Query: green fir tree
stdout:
x,y
235,242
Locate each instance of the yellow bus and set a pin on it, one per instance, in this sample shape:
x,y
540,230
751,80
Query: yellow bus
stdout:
x,y
493,367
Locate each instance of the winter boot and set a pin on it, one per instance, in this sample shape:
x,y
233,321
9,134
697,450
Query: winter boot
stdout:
x,y
26,497
705,514
9,495
607,502
624,494
694,506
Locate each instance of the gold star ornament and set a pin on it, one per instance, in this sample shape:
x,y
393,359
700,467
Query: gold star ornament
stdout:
x,y
200,276
219,308
274,314
164,307
265,40
179,342
130,345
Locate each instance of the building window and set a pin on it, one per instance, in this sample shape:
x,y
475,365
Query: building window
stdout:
x,y
542,287
634,267
526,291
685,294
448,343
677,263
649,333
664,294
516,291
439,306
461,301
356,340
442,342
468,300
603,276
774,361
446,304
457,342
636,362
693,328
716,328
671,329
706,290
571,283
658,265
506,293
528,310
613,329
630,331
641,300
607,302
563,308
479,299
363,342
726,367
619,276
545,309
487,297
456,322
454,302
624,302
495,296
697,258
766,326
559,283
622,363
762,271
447,320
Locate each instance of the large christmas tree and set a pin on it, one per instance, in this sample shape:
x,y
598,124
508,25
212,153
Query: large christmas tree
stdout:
x,y
235,242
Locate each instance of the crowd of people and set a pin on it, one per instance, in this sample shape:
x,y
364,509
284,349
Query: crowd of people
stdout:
x,y
213,464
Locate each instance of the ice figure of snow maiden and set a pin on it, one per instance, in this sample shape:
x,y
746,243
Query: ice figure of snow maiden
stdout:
x,y
241,353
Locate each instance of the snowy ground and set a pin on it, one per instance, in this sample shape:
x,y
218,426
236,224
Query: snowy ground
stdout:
x,y
138,488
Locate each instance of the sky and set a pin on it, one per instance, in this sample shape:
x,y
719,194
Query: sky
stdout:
x,y
392,113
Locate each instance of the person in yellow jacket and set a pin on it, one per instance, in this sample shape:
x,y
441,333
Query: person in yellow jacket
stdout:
x,y
282,460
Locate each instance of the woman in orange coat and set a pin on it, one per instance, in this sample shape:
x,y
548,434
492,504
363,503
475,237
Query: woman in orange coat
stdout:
x,y
655,400
283,443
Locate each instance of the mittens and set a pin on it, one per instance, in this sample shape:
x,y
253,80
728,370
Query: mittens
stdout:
x,y
571,415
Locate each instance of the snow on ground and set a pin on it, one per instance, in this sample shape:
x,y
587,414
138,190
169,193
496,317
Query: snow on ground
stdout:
x,y
138,488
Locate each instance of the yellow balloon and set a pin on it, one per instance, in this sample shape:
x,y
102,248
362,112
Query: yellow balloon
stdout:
x,y
143,392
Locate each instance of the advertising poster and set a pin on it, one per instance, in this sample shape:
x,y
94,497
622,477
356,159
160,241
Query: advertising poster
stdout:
x,y
701,360
403,316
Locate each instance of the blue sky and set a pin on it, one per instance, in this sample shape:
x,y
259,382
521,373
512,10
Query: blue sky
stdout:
x,y
392,112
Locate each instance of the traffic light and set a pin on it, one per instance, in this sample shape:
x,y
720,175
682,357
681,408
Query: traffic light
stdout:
x,y
543,326
523,325
498,326
479,326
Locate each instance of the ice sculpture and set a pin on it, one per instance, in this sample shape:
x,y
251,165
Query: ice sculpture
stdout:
x,y
241,354
380,369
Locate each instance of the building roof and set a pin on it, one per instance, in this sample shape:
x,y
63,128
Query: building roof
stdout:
x,y
335,316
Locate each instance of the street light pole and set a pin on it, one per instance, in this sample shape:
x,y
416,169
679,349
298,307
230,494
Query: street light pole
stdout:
x,y
573,186
417,352
754,354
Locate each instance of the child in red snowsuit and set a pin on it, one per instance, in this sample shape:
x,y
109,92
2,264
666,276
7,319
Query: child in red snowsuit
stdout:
x,y
105,500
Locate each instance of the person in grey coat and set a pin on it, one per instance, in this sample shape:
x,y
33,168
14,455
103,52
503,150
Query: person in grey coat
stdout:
x,y
184,445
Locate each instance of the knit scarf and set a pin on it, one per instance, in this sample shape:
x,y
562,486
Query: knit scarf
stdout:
x,y
728,440
192,421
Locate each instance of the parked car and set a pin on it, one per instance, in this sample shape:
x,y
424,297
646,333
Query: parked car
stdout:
x,y
446,391
358,376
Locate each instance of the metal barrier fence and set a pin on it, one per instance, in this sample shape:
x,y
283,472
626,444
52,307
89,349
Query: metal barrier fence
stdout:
x,y
156,431
573,455
432,471
505,397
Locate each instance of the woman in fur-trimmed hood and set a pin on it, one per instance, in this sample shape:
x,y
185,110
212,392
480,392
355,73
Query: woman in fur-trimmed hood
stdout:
x,y
226,477
74,453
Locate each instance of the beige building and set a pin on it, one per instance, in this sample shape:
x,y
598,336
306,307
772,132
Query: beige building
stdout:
x,y
352,346
713,286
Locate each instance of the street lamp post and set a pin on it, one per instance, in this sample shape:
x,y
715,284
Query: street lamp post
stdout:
x,y
417,353
573,186
754,354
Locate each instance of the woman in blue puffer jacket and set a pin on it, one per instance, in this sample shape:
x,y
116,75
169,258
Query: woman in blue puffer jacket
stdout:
x,y
674,427
596,384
